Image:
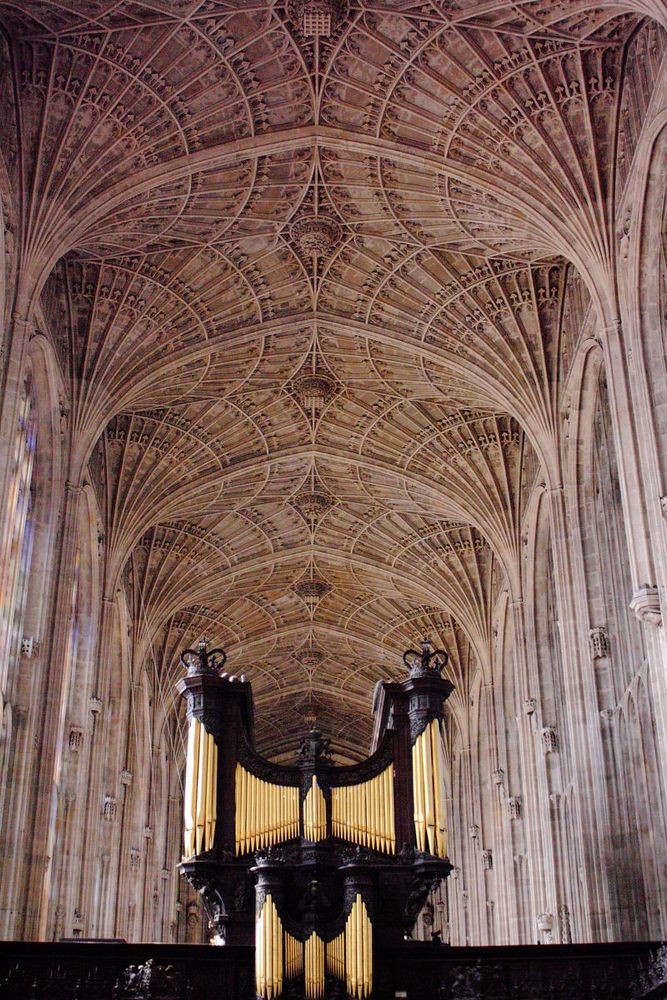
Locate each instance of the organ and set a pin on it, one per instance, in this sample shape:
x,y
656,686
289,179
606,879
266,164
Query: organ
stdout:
x,y
316,864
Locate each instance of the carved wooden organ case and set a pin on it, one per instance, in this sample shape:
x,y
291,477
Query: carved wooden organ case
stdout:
x,y
317,865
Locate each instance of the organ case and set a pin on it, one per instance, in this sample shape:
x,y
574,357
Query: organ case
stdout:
x,y
296,859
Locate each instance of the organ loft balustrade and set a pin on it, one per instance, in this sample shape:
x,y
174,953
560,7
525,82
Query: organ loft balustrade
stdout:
x,y
339,860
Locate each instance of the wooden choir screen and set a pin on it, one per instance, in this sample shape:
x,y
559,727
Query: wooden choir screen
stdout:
x,y
316,844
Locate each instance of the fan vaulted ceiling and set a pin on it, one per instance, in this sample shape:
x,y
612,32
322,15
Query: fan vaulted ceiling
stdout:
x,y
308,289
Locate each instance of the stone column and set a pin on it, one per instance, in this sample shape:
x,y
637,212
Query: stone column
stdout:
x,y
15,351
18,771
533,776
582,735
103,776
53,701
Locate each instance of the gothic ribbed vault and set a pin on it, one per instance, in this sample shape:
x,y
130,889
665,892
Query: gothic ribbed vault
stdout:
x,y
447,162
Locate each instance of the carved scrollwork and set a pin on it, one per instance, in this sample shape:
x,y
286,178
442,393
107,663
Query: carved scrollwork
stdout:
x,y
152,981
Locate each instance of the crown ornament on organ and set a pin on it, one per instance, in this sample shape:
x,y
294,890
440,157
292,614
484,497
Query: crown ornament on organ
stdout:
x,y
428,661
201,661
271,855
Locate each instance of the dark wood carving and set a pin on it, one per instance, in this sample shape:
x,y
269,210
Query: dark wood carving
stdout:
x,y
314,884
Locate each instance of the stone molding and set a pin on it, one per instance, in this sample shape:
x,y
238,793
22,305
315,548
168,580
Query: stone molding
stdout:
x,y
646,605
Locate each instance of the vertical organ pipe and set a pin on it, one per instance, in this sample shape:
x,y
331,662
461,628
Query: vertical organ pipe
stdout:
x,y
440,791
364,813
428,781
202,779
266,813
429,808
418,793
351,951
260,954
211,772
314,967
268,951
356,954
390,799
314,813
190,795
201,789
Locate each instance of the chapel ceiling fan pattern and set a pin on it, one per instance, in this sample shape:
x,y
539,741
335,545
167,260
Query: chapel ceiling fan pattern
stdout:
x,y
305,267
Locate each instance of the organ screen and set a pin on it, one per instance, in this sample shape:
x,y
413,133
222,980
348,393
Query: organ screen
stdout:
x,y
296,859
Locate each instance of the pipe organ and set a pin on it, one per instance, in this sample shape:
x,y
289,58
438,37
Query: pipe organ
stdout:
x,y
200,795
364,813
269,951
314,813
428,790
358,951
314,966
265,813
339,859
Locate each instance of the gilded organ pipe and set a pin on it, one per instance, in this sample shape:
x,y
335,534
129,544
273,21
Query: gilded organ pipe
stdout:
x,y
190,794
265,813
202,780
293,956
336,956
440,790
357,954
418,793
428,788
364,813
351,951
277,947
429,810
211,792
268,951
314,967
201,790
314,813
